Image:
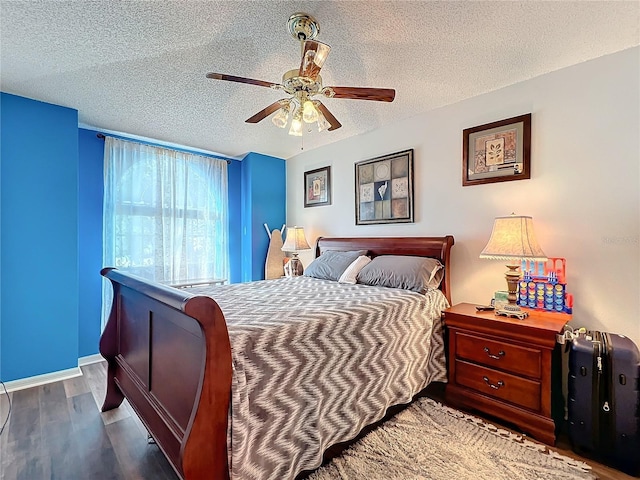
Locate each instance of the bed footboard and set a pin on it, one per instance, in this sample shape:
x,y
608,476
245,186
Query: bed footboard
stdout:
x,y
168,353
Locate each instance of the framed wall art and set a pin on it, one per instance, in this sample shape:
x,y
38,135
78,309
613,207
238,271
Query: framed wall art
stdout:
x,y
384,189
497,152
317,187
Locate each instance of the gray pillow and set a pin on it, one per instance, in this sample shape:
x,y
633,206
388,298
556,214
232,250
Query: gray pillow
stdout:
x,y
396,271
332,264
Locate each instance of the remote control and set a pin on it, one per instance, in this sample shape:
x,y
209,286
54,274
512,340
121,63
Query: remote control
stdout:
x,y
484,308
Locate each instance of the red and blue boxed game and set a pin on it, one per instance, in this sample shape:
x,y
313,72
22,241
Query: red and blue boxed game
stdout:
x,y
543,286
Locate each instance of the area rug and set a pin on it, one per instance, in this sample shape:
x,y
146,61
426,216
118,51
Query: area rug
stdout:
x,y
429,441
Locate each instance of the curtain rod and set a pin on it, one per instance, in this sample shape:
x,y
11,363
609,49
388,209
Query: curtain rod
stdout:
x,y
102,136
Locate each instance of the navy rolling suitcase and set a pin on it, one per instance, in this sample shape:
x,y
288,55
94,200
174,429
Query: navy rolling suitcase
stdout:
x,y
604,399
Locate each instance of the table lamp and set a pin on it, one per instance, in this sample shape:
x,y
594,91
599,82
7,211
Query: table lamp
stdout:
x,y
514,240
294,242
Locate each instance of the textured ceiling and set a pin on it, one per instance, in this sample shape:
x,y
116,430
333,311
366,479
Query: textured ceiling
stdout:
x,y
139,66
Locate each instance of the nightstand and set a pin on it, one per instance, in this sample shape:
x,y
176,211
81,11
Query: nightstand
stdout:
x,y
503,366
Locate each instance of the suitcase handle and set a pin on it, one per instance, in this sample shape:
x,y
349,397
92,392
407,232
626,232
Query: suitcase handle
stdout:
x,y
491,355
494,386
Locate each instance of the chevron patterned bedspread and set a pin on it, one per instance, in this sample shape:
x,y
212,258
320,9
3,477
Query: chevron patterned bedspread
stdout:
x,y
314,361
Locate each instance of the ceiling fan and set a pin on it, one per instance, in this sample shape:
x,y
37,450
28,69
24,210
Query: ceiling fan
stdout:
x,y
305,83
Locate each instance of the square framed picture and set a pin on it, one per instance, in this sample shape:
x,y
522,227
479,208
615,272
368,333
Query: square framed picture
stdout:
x,y
317,187
384,189
497,152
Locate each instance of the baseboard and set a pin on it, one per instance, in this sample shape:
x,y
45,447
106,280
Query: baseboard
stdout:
x,y
89,359
37,380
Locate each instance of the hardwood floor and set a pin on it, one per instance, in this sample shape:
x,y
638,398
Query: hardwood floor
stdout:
x,y
56,431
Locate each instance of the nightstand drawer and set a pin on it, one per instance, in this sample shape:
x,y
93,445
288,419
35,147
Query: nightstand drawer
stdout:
x,y
497,354
516,390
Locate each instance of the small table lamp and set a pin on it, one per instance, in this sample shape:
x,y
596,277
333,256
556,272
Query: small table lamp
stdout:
x,y
295,241
513,239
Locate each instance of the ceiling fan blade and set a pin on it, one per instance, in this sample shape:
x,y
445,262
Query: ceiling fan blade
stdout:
x,y
333,121
313,57
265,112
361,93
251,81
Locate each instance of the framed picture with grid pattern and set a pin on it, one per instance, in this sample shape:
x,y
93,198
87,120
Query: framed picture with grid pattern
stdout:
x,y
384,189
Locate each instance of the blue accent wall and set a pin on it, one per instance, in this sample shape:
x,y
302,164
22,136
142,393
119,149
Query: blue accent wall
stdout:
x,y
39,250
90,194
264,201
51,192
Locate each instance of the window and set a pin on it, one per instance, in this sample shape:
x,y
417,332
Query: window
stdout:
x,y
165,214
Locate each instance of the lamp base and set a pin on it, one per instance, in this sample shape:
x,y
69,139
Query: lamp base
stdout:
x,y
293,268
513,278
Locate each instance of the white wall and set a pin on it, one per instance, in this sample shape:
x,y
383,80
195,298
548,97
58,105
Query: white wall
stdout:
x,y
583,193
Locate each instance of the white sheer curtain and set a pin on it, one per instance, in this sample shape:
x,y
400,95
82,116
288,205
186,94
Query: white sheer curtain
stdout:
x,y
165,215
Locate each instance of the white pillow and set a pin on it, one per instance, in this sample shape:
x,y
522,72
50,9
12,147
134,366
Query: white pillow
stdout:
x,y
332,264
352,271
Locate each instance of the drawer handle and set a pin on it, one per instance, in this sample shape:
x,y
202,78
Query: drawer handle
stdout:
x,y
494,386
491,355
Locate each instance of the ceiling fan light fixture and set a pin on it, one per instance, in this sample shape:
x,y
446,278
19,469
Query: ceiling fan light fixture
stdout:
x,y
309,112
296,124
282,117
321,54
323,124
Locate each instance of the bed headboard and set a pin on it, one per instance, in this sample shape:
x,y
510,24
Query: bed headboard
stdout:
x,y
434,247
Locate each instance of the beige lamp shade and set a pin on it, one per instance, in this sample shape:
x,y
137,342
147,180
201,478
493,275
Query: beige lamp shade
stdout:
x,y
513,238
295,240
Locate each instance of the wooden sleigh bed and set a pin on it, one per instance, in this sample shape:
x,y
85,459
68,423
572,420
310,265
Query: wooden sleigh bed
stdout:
x,y
157,336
